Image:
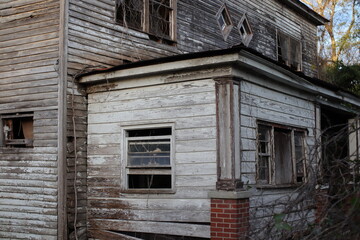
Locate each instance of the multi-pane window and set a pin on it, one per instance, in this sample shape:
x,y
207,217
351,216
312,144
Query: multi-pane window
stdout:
x,y
149,158
281,155
17,130
289,51
156,17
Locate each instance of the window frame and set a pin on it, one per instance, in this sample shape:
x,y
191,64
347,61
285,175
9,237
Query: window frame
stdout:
x,y
139,170
248,32
290,40
228,25
272,168
145,21
16,142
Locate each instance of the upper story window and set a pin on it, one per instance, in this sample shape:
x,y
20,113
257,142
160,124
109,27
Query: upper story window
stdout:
x,y
281,155
17,130
156,17
289,51
224,21
149,159
245,30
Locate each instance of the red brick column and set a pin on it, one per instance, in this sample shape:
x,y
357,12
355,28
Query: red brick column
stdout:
x,y
229,216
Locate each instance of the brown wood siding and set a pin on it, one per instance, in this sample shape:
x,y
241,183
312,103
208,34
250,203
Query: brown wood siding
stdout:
x,y
29,83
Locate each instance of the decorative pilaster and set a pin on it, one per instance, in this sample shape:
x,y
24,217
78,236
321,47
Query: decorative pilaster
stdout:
x,y
228,134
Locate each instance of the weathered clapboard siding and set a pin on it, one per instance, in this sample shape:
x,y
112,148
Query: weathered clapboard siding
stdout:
x,y
279,105
191,106
29,36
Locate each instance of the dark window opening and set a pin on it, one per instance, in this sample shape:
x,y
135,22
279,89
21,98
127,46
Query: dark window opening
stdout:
x,y
149,181
17,130
289,51
245,30
156,17
149,132
129,13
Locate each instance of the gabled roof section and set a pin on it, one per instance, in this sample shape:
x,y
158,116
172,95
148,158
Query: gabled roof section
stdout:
x,y
305,11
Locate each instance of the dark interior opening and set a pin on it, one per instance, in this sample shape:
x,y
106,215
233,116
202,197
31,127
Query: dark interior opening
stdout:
x,y
149,132
149,181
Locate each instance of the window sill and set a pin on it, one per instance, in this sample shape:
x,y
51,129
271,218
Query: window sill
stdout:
x,y
282,186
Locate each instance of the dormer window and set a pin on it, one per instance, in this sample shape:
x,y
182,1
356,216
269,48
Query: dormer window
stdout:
x,y
245,30
289,51
156,17
224,21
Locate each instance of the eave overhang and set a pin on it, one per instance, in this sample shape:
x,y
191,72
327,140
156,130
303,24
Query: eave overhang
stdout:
x,y
305,11
238,57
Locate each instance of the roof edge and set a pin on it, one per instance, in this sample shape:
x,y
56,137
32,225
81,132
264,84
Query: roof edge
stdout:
x,y
305,11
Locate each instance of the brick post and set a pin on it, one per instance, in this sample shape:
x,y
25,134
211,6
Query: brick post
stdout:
x,y
229,215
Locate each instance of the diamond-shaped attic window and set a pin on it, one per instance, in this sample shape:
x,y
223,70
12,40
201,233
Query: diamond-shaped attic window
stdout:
x,y
224,21
245,30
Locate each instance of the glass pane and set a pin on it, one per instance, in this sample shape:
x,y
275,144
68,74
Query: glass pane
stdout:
x,y
129,13
264,168
149,153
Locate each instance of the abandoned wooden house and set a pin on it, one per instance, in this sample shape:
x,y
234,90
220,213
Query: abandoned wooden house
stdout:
x,y
196,102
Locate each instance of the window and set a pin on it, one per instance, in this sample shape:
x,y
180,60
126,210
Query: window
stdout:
x,y
245,30
17,130
224,21
156,17
149,159
281,155
289,51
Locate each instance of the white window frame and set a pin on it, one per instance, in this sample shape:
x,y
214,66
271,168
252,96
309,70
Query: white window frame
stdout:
x,y
145,19
160,170
271,155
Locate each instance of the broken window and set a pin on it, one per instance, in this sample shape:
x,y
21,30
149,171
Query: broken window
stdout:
x,y
17,130
281,155
156,17
245,30
289,51
149,158
224,21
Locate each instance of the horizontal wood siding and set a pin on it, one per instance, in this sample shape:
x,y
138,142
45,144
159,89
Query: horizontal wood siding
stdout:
x,y
277,105
191,107
29,83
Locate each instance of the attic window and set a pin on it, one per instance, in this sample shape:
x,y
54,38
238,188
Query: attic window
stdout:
x,y
245,30
156,17
224,21
289,51
17,130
